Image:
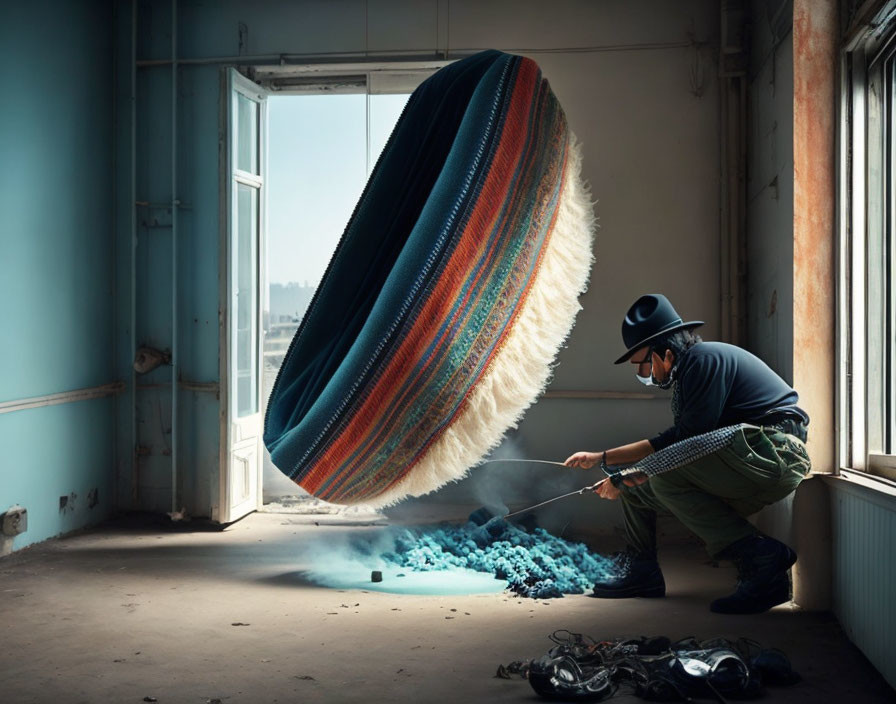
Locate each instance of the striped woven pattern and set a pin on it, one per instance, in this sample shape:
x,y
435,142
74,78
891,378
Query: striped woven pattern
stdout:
x,y
452,288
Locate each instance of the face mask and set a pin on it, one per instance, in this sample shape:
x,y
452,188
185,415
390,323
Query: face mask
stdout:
x,y
651,380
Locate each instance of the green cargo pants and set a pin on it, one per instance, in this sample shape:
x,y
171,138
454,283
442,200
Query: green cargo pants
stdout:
x,y
713,495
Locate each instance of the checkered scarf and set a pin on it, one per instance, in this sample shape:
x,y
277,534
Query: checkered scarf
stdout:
x,y
683,452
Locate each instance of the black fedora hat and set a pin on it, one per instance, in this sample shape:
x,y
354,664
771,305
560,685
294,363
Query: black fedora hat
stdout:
x,y
650,317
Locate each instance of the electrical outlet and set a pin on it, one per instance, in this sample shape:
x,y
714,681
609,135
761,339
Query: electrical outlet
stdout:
x,y
15,520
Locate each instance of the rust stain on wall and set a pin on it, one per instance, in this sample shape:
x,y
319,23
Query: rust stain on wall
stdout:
x,y
815,41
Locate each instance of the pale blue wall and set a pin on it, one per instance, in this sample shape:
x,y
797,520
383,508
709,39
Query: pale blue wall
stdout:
x,y
145,483
56,195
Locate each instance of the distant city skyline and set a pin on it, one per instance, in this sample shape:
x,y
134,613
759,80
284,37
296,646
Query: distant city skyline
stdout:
x,y
289,300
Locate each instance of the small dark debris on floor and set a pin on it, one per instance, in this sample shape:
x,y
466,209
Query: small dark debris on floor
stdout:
x,y
239,623
304,677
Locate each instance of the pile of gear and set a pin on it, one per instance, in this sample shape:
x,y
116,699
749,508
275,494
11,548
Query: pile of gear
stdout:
x,y
578,668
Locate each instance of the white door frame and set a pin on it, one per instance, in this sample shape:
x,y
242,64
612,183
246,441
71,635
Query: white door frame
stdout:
x,y
240,449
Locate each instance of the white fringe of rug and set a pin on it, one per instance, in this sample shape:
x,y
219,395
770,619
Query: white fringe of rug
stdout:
x,y
521,369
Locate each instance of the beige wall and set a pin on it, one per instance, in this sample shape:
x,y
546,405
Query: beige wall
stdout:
x,y
770,191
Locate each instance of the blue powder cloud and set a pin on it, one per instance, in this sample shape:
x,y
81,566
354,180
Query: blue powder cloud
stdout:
x,y
535,563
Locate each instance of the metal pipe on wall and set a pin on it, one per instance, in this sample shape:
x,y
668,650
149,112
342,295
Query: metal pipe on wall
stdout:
x,y
174,207
733,62
92,392
132,449
414,55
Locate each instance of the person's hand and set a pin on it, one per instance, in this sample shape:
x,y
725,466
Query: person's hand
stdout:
x,y
606,490
585,460
635,479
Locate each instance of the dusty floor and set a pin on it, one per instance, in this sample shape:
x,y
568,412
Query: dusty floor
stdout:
x,y
129,612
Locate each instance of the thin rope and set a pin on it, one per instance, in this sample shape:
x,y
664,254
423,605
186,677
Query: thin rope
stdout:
x,y
590,487
514,459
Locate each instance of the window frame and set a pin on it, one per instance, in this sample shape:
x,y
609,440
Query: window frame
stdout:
x,y
866,325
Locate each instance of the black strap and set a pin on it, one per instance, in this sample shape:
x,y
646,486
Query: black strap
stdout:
x,y
790,426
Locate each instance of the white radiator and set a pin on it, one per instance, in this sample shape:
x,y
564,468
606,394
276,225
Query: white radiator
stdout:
x,y
864,570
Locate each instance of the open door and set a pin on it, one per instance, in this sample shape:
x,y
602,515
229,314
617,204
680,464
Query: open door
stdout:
x,y
241,411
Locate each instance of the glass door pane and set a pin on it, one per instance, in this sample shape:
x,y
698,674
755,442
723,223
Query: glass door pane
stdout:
x,y
247,134
245,303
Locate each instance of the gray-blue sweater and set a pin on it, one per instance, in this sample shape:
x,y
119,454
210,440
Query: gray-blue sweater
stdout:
x,y
720,385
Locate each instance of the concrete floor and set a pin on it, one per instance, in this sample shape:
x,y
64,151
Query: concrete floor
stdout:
x,y
128,612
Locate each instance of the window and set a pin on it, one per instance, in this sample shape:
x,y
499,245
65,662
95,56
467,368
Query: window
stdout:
x,y
322,149
867,276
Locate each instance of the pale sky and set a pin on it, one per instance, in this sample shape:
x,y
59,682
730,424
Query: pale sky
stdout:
x,y
317,168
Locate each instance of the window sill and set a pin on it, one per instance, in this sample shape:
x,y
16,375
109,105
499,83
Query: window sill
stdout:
x,y
874,488
882,465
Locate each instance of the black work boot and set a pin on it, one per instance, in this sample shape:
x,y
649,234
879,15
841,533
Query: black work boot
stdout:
x,y
634,575
762,582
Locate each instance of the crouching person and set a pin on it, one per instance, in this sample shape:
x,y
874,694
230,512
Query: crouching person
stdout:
x,y
738,445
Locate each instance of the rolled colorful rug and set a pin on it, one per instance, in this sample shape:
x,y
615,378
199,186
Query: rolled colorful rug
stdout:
x,y
443,307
